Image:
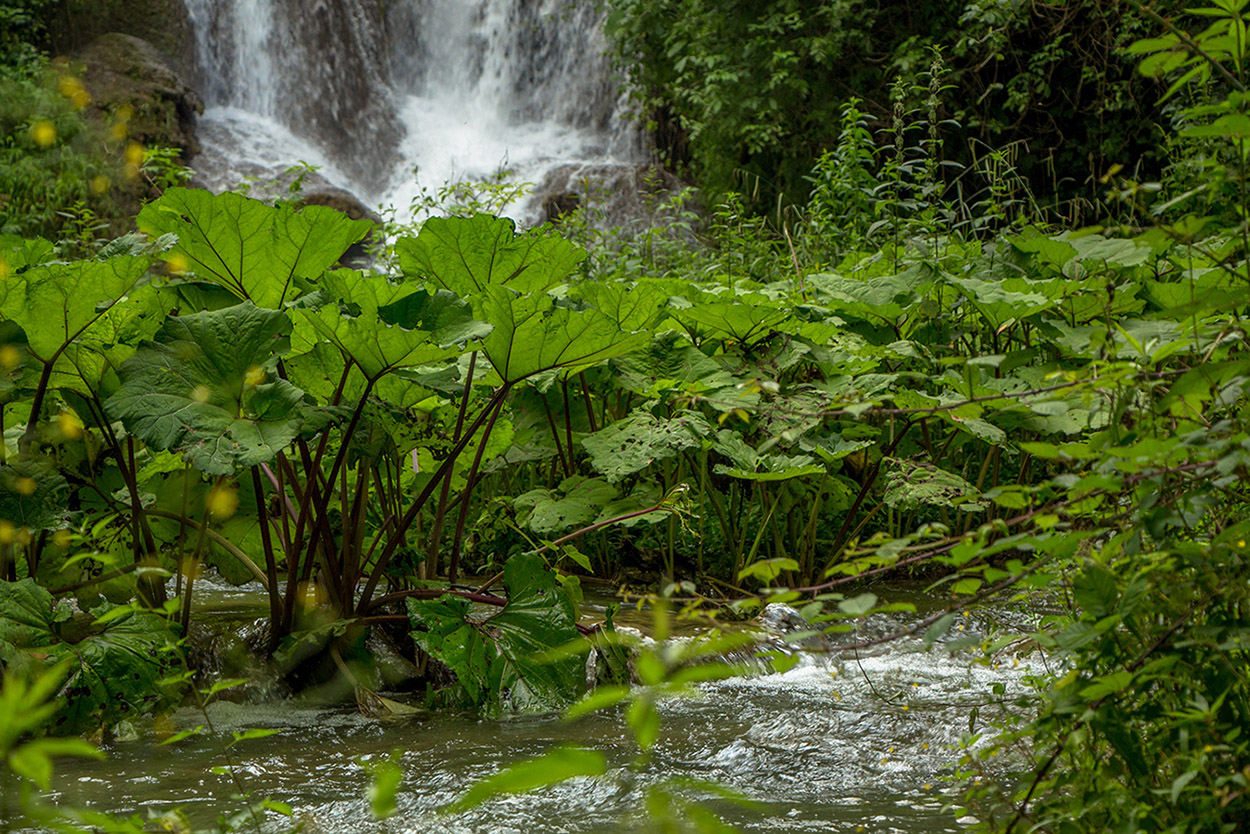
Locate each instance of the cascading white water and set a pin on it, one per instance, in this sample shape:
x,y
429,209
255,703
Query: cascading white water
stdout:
x,y
449,89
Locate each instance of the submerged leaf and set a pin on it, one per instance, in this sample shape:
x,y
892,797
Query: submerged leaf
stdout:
x,y
500,660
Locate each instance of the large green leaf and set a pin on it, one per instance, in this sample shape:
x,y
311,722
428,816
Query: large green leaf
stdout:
x,y
881,300
908,484
539,617
115,671
631,445
91,361
256,251
32,495
383,326
632,308
467,254
750,465
27,615
576,502
736,321
532,336
501,661
447,634
206,388
118,672
56,303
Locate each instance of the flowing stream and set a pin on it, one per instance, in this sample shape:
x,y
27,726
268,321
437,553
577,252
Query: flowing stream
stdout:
x,y
834,744
390,99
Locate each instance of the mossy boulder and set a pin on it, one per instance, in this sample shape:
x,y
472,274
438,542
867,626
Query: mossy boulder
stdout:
x,y
130,83
165,24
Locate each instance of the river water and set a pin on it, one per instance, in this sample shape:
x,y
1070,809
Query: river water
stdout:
x,y
836,743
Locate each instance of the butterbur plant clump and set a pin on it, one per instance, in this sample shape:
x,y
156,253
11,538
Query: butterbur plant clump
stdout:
x,y
443,448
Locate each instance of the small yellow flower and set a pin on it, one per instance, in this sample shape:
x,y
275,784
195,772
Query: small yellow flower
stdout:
x,y
134,154
70,425
62,538
26,486
201,393
255,376
100,184
178,263
71,89
44,133
10,357
5,269
223,502
8,533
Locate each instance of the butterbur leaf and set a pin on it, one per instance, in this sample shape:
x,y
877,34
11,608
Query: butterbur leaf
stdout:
x,y
26,614
445,634
633,308
631,445
116,673
467,254
576,503
503,662
382,326
552,768
56,303
32,495
912,483
538,617
90,361
531,336
207,388
256,251
745,323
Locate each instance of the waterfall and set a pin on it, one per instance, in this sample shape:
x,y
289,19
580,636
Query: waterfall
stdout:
x,y
390,99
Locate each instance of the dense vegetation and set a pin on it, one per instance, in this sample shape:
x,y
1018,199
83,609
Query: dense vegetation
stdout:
x,y
1038,97
901,380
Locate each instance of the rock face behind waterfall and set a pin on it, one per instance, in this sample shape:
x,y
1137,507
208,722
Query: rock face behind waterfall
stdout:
x,y
319,67
389,99
338,91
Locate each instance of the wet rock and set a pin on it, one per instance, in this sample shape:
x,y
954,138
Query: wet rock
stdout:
x,y
165,24
782,619
611,194
558,205
124,75
341,200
